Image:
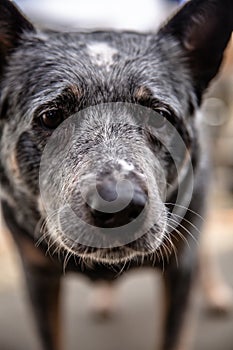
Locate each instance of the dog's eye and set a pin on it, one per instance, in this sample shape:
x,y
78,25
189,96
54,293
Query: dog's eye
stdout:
x,y
163,117
51,119
163,112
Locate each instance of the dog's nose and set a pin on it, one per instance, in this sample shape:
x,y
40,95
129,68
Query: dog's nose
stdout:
x,y
116,204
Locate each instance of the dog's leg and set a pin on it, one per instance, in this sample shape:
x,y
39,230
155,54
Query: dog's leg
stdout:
x,y
43,279
102,301
178,282
180,277
44,289
218,295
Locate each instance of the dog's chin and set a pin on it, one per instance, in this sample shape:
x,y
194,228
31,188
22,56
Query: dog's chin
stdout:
x,y
132,252
115,256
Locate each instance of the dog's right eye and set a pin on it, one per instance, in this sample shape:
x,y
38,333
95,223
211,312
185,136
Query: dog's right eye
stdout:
x,y
51,119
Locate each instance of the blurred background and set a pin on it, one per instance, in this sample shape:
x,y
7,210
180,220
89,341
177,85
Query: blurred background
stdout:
x,y
135,322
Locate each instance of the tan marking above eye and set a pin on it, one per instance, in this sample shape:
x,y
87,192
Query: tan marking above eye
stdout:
x,y
75,90
14,166
142,93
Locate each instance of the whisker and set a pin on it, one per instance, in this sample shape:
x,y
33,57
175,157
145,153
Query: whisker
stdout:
x,y
184,239
185,229
186,208
122,269
66,261
162,258
188,221
174,249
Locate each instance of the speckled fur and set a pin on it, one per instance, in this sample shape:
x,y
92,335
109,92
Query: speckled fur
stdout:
x,y
42,70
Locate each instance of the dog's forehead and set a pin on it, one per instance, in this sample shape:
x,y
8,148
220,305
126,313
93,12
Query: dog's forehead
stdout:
x,y
104,66
100,43
85,56
99,57
96,59
102,54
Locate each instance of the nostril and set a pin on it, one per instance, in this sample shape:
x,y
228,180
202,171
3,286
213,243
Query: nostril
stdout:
x,y
107,190
137,204
140,198
109,213
100,215
135,212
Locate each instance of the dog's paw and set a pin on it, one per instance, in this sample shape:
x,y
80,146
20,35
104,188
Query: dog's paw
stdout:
x,y
220,299
102,301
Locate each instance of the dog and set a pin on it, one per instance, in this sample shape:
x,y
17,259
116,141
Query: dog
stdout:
x,y
102,164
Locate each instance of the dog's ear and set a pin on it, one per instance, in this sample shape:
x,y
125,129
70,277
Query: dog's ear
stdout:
x,y
203,28
12,25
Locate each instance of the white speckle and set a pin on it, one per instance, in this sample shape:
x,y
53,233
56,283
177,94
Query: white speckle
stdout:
x,y
42,36
102,54
125,166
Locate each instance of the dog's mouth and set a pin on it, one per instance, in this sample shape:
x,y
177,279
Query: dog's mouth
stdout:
x,y
115,255
119,248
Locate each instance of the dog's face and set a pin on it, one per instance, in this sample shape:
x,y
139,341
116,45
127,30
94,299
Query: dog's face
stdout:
x,y
102,111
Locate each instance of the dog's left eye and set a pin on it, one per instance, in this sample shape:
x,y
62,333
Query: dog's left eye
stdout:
x,y
51,119
163,112
162,118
